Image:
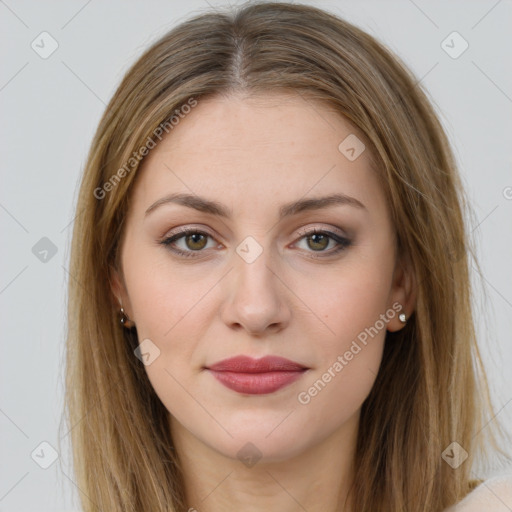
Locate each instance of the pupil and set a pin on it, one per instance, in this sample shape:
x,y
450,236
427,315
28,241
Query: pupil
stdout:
x,y
194,237
315,240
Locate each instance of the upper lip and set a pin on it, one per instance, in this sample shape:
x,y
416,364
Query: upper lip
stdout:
x,y
246,364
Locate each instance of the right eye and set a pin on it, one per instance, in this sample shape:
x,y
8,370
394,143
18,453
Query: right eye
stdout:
x,y
192,240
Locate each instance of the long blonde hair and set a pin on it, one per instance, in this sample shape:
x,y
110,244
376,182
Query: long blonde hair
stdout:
x,y
430,390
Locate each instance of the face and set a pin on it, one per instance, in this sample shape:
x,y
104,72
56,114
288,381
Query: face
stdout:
x,y
243,272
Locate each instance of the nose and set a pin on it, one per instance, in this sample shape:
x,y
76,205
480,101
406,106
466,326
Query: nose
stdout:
x,y
255,297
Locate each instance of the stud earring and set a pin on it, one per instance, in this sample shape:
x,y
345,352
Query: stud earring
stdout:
x,y
125,321
402,318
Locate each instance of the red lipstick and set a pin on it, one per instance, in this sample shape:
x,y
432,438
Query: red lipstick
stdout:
x,y
256,376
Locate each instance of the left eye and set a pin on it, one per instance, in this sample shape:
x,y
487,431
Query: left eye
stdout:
x,y
195,241
318,241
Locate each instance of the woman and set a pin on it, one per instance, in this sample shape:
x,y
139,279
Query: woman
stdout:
x,y
271,305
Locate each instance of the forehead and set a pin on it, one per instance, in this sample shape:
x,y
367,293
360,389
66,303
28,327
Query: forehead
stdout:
x,y
258,148
285,124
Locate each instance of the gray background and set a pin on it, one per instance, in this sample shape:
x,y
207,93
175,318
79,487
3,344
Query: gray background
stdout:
x,y
50,109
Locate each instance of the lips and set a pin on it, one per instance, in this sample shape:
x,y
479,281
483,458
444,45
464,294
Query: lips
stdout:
x,y
245,364
256,376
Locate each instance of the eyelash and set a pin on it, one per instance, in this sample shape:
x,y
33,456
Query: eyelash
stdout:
x,y
343,243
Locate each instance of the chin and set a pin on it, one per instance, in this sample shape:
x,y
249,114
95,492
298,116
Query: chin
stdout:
x,y
261,442
251,451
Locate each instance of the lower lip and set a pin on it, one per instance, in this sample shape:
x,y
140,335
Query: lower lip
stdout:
x,y
257,383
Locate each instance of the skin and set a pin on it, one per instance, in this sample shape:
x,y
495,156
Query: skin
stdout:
x,y
297,299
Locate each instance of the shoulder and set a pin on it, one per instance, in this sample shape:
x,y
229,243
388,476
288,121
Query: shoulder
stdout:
x,y
493,495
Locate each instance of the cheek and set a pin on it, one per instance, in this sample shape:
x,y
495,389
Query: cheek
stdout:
x,y
336,392
163,297
349,356
348,301
172,310
173,321
353,307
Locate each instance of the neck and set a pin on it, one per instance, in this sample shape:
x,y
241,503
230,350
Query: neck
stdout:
x,y
317,479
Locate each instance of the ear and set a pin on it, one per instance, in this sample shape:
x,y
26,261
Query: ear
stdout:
x,y
403,291
118,289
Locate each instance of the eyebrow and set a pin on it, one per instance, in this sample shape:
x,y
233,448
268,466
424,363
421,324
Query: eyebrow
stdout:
x,y
215,208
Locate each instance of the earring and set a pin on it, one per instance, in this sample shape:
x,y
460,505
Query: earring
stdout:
x,y
125,321
402,318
